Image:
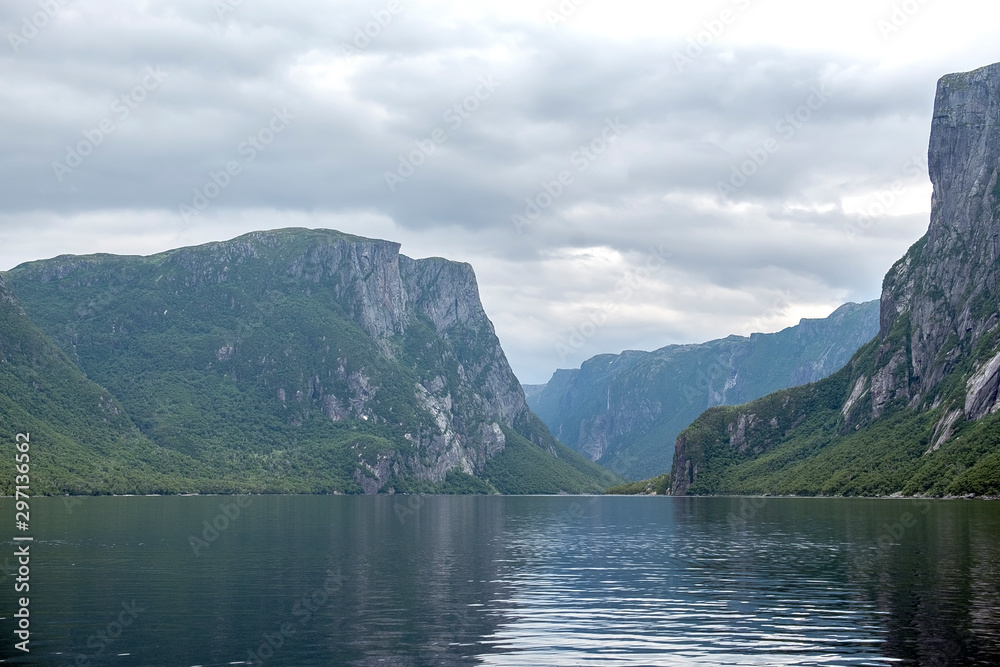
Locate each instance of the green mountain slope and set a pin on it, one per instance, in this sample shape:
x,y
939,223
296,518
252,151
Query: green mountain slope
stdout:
x,y
81,440
625,411
304,361
916,411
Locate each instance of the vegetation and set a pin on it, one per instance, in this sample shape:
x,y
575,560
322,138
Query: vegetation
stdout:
x,y
800,443
657,486
837,438
637,403
523,468
243,367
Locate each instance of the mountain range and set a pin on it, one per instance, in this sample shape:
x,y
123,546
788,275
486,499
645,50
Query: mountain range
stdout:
x,y
626,410
312,361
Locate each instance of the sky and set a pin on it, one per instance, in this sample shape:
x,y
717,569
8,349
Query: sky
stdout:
x,y
621,174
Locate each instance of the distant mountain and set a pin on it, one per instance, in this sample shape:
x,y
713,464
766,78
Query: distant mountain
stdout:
x,y
532,390
917,410
288,361
625,411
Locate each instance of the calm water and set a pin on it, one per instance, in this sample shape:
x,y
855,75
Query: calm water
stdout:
x,y
413,581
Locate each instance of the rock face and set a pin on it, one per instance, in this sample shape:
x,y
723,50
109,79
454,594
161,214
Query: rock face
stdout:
x,y
625,411
332,358
943,291
935,365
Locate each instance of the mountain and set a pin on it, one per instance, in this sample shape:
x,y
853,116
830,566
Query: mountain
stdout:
x,y
531,391
303,361
916,410
625,410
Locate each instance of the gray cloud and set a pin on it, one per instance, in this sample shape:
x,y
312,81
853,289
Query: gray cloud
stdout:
x,y
351,114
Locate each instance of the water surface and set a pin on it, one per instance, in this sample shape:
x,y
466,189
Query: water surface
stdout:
x,y
509,581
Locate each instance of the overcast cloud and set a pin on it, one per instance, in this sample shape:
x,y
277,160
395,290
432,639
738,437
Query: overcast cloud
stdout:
x,y
572,153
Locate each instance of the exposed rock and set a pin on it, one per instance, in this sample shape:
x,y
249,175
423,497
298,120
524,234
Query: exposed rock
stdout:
x,y
686,472
738,431
943,429
981,390
373,477
315,324
860,389
938,346
952,271
885,385
334,409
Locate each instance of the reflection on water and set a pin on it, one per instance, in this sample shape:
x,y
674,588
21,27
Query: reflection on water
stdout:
x,y
511,581
634,581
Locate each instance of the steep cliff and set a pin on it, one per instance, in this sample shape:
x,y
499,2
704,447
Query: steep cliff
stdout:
x,y
625,411
914,411
305,361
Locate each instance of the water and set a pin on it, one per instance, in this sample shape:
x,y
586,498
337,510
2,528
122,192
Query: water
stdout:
x,y
394,581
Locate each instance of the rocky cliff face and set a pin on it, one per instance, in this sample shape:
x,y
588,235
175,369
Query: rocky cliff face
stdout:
x,y
447,295
943,292
935,362
625,411
385,367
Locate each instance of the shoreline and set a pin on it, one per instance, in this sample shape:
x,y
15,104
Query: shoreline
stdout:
x,y
502,495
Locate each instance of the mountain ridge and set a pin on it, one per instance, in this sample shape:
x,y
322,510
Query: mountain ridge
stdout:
x,y
626,410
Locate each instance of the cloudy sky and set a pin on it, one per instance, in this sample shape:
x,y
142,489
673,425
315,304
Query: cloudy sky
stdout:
x,y
622,175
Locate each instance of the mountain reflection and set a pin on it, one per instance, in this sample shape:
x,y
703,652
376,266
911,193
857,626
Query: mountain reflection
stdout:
x,y
609,581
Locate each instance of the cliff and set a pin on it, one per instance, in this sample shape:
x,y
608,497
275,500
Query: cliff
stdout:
x,y
305,361
914,411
